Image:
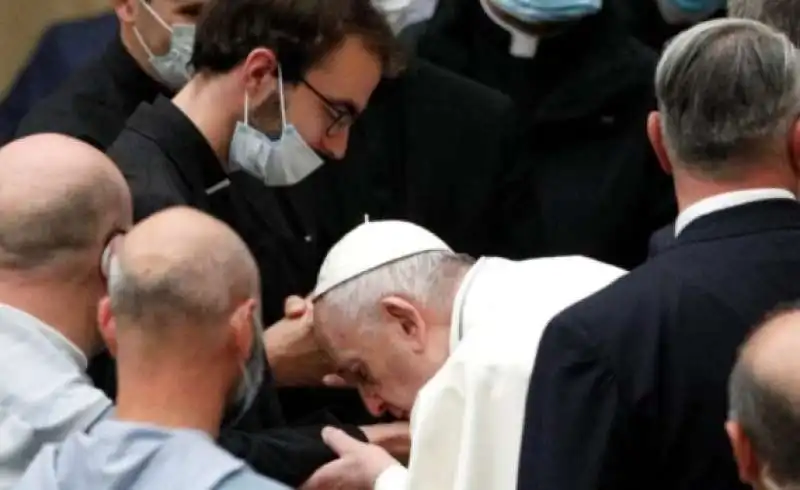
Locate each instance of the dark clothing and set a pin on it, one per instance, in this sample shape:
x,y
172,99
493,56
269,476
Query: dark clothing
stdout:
x,y
583,102
629,389
661,239
644,21
439,150
166,162
95,102
436,149
62,49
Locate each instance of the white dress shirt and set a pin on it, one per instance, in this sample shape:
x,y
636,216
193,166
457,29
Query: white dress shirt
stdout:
x,y
44,392
467,421
727,200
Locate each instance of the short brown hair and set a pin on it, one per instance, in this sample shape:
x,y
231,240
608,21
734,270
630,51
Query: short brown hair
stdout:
x,y
302,33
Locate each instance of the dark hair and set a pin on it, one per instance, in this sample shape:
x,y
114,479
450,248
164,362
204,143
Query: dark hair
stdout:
x,y
302,33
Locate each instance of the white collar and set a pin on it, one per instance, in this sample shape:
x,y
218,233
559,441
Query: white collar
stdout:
x,y
14,316
727,200
523,45
456,320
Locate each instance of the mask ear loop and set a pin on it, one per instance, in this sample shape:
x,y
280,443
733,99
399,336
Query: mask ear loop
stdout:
x,y
282,100
155,15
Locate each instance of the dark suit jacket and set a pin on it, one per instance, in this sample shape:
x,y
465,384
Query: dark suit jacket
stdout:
x,y
62,49
629,386
583,102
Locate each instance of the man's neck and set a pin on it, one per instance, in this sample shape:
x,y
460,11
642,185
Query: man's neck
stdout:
x,y
134,48
170,396
202,100
65,309
691,189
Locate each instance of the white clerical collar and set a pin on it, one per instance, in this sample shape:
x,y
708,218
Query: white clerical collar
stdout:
x,y
725,201
13,316
523,45
457,315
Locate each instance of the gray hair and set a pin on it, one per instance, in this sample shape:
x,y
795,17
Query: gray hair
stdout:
x,y
427,278
769,415
783,15
726,88
202,289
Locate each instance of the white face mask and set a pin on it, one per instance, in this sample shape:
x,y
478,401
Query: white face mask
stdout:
x,y
283,162
173,66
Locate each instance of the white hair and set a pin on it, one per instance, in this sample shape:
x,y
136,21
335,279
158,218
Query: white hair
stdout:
x,y
428,279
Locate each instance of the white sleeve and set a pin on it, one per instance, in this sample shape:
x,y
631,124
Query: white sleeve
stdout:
x,y
466,430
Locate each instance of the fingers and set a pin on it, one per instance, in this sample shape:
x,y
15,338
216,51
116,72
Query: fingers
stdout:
x,y
335,381
295,307
340,441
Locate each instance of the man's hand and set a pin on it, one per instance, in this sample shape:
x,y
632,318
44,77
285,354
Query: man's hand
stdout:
x,y
357,468
293,353
394,437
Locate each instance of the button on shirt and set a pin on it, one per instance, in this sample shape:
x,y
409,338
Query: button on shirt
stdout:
x,y
45,393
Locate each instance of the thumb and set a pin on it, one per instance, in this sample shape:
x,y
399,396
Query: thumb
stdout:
x,y
338,440
294,307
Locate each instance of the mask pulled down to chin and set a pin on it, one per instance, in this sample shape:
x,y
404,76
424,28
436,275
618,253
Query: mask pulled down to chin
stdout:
x,y
246,391
277,162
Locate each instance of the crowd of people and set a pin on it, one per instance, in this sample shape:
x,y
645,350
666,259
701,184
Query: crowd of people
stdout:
x,y
406,245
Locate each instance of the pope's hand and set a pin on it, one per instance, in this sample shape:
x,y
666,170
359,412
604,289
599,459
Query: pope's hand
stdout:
x,y
357,468
293,353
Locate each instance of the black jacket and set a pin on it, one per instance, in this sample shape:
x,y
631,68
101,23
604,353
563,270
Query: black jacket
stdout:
x,y
94,103
583,102
629,389
166,162
439,150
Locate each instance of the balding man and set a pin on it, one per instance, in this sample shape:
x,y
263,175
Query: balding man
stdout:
x,y
628,390
182,320
61,203
764,401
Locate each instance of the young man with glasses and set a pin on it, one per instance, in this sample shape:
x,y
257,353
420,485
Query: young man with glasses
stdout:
x,y
276,87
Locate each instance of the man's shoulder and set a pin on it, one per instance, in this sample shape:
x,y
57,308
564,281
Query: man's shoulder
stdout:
x,y
248,479
85,110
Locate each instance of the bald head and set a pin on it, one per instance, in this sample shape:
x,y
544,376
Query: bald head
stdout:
x,y
181,266
59,199
764,392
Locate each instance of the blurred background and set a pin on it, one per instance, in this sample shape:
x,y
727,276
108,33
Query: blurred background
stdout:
x,y
22,22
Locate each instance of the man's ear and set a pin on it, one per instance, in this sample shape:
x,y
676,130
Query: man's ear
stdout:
x,y
241,322
107,325
260,71
657,141
746,460
126,10
794,148
414,328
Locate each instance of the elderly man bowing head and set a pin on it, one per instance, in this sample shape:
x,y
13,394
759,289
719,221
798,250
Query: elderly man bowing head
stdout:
x,y
427,333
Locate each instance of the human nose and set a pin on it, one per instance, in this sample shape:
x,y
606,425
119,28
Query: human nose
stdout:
x,y
375,404
336,144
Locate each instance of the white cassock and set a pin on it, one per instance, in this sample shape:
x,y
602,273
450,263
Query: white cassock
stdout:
x,y
467,421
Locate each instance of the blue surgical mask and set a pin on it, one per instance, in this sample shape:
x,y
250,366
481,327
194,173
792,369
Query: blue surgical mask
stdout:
x,y
173,66
536,11
252,373
284,161
682,12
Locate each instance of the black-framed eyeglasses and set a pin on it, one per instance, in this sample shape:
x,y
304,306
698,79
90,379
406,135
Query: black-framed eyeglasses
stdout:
x,y
341,117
